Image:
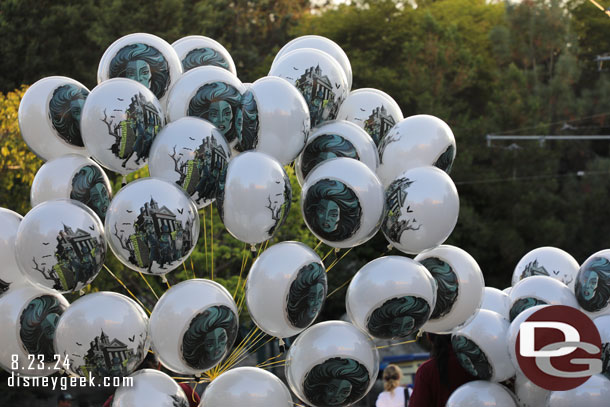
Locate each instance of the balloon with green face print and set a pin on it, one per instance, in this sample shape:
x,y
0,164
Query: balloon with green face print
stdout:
x,y
539,290
592,286
197,50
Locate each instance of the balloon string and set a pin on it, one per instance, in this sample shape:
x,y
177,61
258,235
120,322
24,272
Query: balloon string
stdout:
x,y
193,267
239,355
244,260
339,288
193,392
212,373
212,236
318,245
149,286
328,254
394,344
205,239
256,333
279,363
128,290
246,352
336,261
266,362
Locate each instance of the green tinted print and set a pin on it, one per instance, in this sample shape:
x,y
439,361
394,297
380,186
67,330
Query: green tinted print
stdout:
x,y
445,161
65,108
324,148
203,57
336,382
378,124
37,326
522,304
318,91
246,123
89,187
447,285
4,286
306,295
593,284
209,337
533,269
178,401
332,210
398,317
144,64
606,359
471,357
217,102
111,357
396,223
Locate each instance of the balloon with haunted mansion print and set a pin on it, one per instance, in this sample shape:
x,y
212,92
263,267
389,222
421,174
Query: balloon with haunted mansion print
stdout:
x,y
547,261
318,77
60,244
202,329
9,272
102,334
120,123
194,155
152,226
151,387
50,114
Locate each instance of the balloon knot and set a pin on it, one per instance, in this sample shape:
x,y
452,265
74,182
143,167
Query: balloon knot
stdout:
x,y
252,247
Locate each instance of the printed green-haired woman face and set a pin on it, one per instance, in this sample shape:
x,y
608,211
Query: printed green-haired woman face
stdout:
x,y
139,71
328,215
221,116
215,344
336,392
592,286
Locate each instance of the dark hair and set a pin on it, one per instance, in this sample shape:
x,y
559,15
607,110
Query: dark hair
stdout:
x,y
441,347
86,178
308,276
408,306
60,112
466,348
159,68
601,267
446,283
38,339
318,377
203,57
199,104
326,143
344,197
445,160
533,269
217,316
248,139
522,304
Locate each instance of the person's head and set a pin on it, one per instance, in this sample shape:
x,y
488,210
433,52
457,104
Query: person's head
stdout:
x,y
391,377
325,147
89,187
37,325
65,109
398,317
65,400
593,284
203,57
471,357
332,210
336,382
144,64
246,123
447,285
306,295
208,336
217,102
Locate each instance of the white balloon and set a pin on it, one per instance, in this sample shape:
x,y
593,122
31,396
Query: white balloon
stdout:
x,y
93,324
460,286
322,44
342,202
49,117
28,316
390,297
507,290
73,176
481,349
286,289
144,58
151,388
329,358
211,93
152,226
529,394
121,119
496,300
275,119
191,153
9,272
538,290
319,78
61,244
422,209
197,50
255,197
592,285
481,393
371,109
547,261
513,331
603,326
416,141
247,386
336,139
193,326
595,392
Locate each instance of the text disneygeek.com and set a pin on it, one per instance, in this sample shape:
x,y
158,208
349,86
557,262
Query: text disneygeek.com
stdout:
x,y
65,382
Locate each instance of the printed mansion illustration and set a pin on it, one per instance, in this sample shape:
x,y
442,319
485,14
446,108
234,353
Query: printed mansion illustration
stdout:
x,y
109,358
379,123
318,92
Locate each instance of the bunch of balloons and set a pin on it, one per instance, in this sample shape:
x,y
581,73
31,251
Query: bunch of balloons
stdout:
x,y
207,137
